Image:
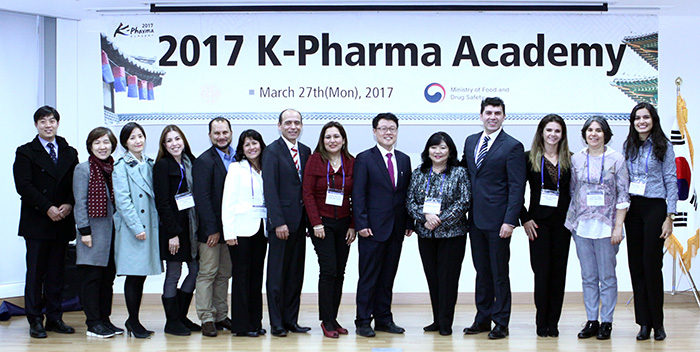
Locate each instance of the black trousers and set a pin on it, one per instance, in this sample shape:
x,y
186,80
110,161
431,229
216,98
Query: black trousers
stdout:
x,y
645,257
442,263
96,292
46,261
491,254
332,252
285,276
378,263
549,256
248,263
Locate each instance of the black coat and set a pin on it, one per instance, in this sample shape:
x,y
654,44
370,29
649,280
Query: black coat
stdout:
x,y
42,184
208,177
172,222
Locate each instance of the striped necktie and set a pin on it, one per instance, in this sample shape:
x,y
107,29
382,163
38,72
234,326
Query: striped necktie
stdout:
x,y
482,152
52,152
295,156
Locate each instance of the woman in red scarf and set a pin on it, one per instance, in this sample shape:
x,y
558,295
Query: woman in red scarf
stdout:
x,y
94,206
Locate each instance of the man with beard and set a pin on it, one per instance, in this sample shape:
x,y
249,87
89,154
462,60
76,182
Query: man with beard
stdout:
x,y
208,176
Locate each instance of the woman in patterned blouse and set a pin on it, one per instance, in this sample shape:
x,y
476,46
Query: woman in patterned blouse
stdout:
x,y
438,198
653,196
599,202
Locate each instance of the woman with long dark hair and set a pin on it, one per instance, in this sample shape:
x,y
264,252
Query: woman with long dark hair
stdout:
x,y
548,173
94,207
653,195
244,231
136,251
438,197
327,191
172,184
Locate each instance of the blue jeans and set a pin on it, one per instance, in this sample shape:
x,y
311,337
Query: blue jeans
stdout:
x,y
598,261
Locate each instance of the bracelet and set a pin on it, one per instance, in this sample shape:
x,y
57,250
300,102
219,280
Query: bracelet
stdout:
x,y
318,227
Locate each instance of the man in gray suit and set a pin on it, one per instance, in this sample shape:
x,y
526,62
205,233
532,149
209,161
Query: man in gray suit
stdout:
x,y
496,165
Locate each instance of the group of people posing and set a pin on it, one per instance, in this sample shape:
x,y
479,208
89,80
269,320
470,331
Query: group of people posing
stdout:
x,y
223,212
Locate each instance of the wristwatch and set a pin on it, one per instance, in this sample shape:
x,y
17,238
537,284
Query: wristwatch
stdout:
x,y
672,216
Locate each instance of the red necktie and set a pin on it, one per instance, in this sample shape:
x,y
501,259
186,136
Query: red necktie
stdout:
x,y
295,156
390,165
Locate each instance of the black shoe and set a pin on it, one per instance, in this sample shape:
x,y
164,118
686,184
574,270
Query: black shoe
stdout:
x,y
224,324
100,331
542,332
590,330
604,331
117,331
278,331
659,334
553,331
209,329
59,326
36,328
644,332
446,331
389,327
173,325
365,331
247,334
432,327
137,330
498,332
296,328
261,331
477,328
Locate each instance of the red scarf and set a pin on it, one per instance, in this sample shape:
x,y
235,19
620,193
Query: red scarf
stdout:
x,y
100,174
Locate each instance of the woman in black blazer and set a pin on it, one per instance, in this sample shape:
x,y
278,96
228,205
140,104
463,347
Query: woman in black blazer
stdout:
x,y
548,172
172,182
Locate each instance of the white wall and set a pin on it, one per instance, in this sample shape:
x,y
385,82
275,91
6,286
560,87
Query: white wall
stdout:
x,y
79,100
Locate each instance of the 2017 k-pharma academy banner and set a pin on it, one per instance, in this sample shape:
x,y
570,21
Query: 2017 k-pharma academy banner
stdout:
x,y
425,67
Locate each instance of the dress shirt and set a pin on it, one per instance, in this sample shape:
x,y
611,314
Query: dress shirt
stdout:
x,y
393,160
45,144
227,158
661,178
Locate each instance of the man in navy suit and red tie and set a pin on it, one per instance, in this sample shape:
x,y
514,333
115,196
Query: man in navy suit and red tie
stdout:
x,y
381,176
496,169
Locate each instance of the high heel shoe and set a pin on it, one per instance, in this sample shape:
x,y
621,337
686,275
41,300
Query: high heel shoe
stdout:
x,y
136,331
328,332
341,330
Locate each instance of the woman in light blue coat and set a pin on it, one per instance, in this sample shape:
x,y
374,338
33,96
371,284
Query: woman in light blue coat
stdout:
x,y
136,223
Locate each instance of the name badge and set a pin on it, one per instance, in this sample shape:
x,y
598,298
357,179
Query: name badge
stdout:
x,y
595,198
638,185
549,198
184,200
334,197
259,211
432,206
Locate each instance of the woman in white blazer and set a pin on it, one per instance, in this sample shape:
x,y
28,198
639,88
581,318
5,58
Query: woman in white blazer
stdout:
x,y
243,215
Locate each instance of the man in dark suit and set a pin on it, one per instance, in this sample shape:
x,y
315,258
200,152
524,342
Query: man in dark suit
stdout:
x,y
43,172
282,164
208,176
496,169
381,176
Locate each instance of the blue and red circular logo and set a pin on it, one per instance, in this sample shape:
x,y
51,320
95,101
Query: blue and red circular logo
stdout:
x,y
434,93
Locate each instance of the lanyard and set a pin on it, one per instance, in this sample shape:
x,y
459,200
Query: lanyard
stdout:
x,y
427,186
252,188
182,177
588,166
542,174
646,172
328,170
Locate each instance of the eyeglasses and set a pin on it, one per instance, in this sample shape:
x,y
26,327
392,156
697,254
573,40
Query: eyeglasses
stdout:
x,y
384,129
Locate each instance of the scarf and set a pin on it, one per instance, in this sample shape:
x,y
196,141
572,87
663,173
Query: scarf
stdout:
x,y
100,175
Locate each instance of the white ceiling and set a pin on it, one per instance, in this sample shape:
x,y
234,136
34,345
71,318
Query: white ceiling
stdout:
x,y
82,9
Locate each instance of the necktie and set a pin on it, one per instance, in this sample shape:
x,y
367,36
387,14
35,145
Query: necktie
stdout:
x,y
295,156
482,152
390,165
52,152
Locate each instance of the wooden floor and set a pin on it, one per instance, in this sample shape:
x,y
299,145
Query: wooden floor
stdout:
x,y
682,325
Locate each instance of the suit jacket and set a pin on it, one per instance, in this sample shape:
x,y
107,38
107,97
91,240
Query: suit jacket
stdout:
x,y
537,211
376,204
42,184
99,228
498,187
208,177
283,187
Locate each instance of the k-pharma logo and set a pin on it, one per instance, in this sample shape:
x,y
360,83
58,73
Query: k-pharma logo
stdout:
x,y
121,28
434,93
